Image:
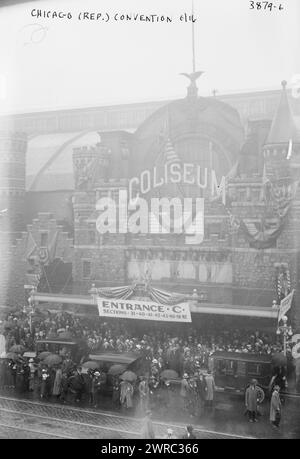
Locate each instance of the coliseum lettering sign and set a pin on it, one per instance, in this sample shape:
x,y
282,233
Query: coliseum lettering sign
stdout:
x,y
145,310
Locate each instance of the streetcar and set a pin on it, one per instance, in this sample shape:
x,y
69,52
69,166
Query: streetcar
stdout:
x,y
59,346
234,370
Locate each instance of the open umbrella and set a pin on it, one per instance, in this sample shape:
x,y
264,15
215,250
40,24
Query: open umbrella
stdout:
x,y
11,355
52,359
129,376
169,374
91,365
44,354
116,369
17,348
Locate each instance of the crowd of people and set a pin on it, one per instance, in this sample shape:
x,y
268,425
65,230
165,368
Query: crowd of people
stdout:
x,y
186,351
190,345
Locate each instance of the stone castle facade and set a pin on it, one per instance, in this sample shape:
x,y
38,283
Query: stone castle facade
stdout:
x,y
250,252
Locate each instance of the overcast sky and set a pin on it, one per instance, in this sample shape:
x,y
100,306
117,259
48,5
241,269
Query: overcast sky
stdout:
x,y
59,63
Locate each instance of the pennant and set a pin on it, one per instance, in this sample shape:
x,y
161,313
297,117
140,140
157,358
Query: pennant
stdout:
x,y
285,305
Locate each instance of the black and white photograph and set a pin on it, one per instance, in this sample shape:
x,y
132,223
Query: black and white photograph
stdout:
x,y
149,222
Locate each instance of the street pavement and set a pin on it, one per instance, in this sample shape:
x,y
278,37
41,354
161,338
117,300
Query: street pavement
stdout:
x,y
21,418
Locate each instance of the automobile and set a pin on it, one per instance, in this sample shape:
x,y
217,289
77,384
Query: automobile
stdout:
x,y
129,360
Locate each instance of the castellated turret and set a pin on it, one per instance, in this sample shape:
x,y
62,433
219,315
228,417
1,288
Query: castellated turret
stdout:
x,y
12,186
12,197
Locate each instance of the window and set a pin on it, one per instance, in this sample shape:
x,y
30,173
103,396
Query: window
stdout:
x,y
44,239
86,269
241,368
254,369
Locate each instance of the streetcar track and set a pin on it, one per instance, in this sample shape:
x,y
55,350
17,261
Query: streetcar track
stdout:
x,y
34,431
50,418
105,415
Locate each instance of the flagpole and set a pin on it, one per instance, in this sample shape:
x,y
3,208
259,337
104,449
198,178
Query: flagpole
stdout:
x,y
193,40
210,156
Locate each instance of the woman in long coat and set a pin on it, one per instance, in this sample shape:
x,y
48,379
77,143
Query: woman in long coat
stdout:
x,y
57,386
126,394
210,388
275,407
184,391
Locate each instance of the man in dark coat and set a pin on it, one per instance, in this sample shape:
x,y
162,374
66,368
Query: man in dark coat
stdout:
x,y
77,384
251,399
44,384
19,378
26,376
64,388
96,384
116,392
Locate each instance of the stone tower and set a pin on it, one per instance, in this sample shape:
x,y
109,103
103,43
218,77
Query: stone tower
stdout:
x,y
282,174
12,197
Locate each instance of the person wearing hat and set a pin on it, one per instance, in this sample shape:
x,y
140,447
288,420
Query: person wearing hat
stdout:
x,y
210,388
77,384
57,384
116,392
184,391
95,388
153,389
45,377
33,370
200,392
275,407
170,434
251,399
143,389
126,394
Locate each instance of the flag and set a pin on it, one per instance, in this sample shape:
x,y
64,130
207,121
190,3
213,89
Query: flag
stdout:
x,y
285,305
265,180
231,175
52,247
43,255
233,220
290,149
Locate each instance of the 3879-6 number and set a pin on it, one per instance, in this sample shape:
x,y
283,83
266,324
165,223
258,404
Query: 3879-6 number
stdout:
x,y
265,6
